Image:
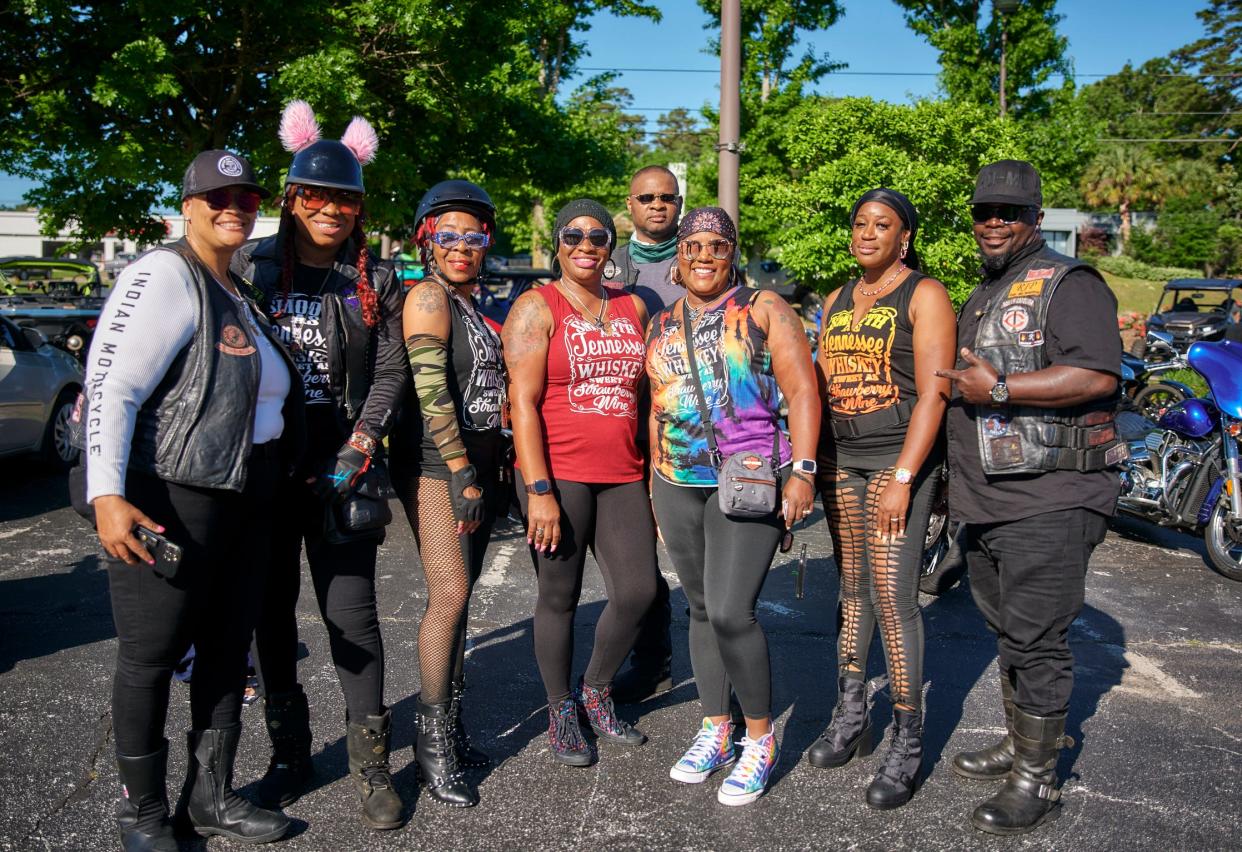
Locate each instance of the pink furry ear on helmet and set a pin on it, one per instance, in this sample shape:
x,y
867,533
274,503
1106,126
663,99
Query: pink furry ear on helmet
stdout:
x,y
360,138
298,127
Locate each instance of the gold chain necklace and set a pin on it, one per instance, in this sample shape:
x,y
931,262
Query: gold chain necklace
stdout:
x,y
878,290
596,319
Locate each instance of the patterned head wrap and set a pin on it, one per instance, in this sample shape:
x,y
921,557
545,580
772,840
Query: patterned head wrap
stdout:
x,y
710,219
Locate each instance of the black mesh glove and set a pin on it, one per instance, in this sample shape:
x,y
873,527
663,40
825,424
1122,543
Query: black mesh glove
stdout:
x,y
465,508
339,479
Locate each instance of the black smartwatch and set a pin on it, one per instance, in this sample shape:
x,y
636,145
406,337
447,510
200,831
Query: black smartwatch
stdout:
x,y
1000,390
539,486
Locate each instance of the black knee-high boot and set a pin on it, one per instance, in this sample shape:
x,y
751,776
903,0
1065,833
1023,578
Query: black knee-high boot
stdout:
x,y
143,813
208,804
290,769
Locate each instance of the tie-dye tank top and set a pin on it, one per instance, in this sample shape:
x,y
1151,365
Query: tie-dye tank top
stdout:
x,y
735,368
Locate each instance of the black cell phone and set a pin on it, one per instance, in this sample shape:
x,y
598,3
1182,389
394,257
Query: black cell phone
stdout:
x,y
166,554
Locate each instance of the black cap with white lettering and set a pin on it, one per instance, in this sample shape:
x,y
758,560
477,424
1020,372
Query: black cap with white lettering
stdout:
x,y
1008,182
219,168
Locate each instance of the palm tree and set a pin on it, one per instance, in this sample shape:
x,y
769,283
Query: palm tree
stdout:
x,y
1122,176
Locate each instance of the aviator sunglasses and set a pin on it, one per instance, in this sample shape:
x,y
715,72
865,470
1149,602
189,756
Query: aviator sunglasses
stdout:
x,y
1007,213
315,198
648,197
719,249
452,239
247,200
574,236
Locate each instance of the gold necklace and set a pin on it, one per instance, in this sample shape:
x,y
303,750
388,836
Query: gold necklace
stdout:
x,y
878,290
595,319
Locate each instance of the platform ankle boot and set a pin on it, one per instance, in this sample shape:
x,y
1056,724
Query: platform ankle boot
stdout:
x,y
995,761
208,804
468,757
849,734
290,769
898,777
437,758
367,744
1030,796
143,813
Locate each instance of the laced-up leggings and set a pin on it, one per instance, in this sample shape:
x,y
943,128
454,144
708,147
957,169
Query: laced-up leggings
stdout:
x,y
879,579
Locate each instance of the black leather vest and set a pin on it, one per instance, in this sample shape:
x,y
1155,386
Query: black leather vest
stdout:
x,y
1019,439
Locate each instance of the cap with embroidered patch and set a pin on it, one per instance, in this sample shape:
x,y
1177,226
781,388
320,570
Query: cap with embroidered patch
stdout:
x,y
219,168
1008,182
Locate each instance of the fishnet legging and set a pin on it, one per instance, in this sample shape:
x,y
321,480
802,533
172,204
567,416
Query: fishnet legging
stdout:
x,y
879,580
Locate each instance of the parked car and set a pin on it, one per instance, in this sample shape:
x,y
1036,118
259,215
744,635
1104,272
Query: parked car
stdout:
x,y
38,387
770,275
1194,309
61,298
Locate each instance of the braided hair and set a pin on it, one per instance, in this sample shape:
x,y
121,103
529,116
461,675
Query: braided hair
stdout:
x,y
367,297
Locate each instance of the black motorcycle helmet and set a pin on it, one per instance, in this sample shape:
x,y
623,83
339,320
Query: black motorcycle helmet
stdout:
x,y
328,163
456,195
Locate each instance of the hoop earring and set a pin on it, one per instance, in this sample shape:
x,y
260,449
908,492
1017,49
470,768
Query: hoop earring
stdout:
x,y
851,248
610,269
675,275
905,247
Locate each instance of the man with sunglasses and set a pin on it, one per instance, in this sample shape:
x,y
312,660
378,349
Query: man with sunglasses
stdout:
x,y
644,266
1031,438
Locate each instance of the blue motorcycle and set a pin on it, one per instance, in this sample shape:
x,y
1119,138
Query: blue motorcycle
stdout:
x,y
1183,469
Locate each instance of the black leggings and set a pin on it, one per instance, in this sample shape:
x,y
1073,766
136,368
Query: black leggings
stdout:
x,y
879,579
344,580
211,604
615,522
722,563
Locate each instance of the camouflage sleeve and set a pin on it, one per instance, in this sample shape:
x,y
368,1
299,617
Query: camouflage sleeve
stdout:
x,y
429,365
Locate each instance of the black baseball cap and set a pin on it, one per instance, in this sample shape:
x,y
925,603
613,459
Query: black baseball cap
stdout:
x,y
1008,182
218,168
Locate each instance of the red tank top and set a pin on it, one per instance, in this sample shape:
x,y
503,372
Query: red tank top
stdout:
x,y
590,400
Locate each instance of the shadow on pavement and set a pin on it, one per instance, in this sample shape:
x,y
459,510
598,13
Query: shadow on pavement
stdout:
x,y
31,490
74,604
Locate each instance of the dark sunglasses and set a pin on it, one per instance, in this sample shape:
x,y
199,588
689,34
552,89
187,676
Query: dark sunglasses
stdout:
x,y
316,198
648,197
451,239
720,249
1007,213
574,236
247,200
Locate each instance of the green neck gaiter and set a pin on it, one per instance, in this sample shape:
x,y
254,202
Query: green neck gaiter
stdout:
x,y
653,252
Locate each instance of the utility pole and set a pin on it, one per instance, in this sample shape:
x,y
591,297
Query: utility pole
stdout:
x,y
1004,8
728,147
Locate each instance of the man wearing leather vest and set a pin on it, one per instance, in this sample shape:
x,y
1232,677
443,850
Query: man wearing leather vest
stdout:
x,y
1031,439
644,266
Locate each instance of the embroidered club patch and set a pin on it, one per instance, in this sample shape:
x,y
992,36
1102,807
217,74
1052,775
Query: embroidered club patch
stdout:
x,y
1032,338
1026,288
1032,274
233,341
229,166
995,425
752,462
1015,319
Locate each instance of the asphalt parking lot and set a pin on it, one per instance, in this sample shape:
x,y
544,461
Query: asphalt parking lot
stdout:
x,y
1155,711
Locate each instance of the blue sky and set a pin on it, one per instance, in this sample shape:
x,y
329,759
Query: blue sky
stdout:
x,y
871,36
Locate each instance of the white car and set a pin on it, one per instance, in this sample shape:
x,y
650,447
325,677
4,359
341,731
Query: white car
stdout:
x,y
38,386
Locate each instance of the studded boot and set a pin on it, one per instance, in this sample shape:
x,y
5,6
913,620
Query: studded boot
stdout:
x,y
143,813
849,734
367,744
468,757
290,768
208,804
437,759
995,761
1030,796
898,777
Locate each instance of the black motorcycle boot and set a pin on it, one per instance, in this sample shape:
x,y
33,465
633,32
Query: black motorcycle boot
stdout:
x,y
367,744
437,759
208,804
995,761
468,757
290,769
143,813
1030,796
898,778
849,734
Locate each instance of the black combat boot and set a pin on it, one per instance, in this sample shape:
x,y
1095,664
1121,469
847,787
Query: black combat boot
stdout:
x,y
290,769
1030,796
437,759
367,744
143,813
208,804
995,761
468,756
898,777
849,734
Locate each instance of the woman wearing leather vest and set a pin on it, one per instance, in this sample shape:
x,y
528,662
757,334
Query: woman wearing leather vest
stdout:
x,y
884,336
338,310
447,457
192,413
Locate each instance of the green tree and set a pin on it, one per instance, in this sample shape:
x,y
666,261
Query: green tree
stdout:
x,y
680,138
1122,177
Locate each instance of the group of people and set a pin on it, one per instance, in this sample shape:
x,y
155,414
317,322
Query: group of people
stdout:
x,y
240,395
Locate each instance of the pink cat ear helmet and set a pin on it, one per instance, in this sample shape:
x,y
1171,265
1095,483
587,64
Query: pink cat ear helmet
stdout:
x,y
326,162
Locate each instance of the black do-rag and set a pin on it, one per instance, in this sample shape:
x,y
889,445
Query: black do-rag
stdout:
x,y
574,209
904,209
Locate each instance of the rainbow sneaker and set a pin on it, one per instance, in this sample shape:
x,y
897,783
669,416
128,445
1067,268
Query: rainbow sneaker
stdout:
x,y
749,778
712,749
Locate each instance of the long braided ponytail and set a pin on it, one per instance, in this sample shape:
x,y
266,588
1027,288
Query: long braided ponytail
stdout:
x,y
367,298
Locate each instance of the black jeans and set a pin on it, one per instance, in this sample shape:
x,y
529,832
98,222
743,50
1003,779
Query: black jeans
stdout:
x,y
210,603
344,579
1028,578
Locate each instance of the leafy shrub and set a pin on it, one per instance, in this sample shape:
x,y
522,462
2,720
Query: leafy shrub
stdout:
x,y
1128,267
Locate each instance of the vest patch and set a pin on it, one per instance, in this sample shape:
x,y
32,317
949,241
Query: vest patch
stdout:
x,y
233,342
1030,287
1032,274
1016,319
995,425
1031,338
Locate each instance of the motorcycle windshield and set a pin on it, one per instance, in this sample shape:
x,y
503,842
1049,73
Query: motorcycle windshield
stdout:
x,y
1221,364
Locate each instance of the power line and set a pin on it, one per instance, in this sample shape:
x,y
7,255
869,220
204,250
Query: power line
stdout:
x,y
1230,140
894,73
